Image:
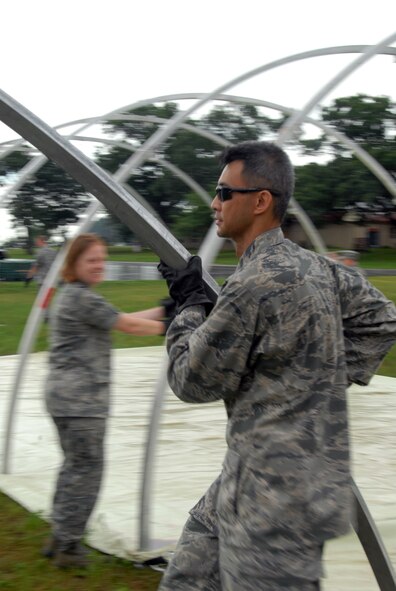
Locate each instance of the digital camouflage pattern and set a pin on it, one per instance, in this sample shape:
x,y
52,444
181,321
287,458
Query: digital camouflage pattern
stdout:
x,y
290,331
77,397
79,478
80,347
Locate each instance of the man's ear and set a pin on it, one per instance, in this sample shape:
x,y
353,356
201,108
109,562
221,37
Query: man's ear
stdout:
x,y
264,202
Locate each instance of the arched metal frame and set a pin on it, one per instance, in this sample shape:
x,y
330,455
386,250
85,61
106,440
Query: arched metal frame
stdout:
x,y
209,251
76,164
33,322
31,329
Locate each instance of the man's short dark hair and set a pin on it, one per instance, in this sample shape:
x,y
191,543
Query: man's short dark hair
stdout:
x,y
265,165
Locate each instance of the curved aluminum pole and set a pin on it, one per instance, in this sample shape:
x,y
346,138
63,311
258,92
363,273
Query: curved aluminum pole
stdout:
x,y
372,544
95,180
266,67
203,97
271,65
27,171
295,208
373,165
38,161
13,118
33,322
289,127
345,49
183,176
364,156
31,329
161,134
210,247
164,132
160,388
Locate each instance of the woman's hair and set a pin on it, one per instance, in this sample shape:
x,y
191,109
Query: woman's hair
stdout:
x,y
76,248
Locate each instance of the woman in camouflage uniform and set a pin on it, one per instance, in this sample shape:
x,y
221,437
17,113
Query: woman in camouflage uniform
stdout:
x,y
77,389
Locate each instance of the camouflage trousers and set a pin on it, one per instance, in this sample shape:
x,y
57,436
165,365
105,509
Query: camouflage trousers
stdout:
x,y
79,478
218,554
197,565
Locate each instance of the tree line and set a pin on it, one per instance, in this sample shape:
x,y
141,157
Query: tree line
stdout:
x,y
333,179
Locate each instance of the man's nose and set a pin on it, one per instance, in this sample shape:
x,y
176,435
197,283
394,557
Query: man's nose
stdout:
x,y
215,203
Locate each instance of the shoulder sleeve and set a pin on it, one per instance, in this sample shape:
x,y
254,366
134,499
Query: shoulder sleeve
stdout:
x,y
94,310
207,358
369,323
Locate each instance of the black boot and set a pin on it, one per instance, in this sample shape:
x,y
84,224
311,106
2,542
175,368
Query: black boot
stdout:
x,y
74,555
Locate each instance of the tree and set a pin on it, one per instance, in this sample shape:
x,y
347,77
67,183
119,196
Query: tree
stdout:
x,y
344,181
47,202
192,153
367,120
13,162
53,199
193,222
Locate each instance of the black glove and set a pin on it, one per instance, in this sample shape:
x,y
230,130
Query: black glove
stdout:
x,y
186,286
169,306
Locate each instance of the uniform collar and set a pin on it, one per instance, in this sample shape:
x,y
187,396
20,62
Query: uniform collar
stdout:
x,y
262,243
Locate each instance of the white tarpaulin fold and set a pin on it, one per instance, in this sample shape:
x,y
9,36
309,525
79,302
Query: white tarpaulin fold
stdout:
x,y
190,450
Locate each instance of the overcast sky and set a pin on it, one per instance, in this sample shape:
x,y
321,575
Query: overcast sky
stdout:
x,y
66,60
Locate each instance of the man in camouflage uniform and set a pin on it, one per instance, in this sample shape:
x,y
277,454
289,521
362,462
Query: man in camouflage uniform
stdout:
x,y
290,331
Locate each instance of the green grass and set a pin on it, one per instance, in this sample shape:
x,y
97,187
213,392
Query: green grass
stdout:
x,y
381,258
22,568
388,287
375,258
16,301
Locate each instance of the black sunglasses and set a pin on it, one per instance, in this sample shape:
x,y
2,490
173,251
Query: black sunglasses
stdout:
x,y
225,193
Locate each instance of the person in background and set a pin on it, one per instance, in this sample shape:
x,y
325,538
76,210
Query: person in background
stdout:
x,y
44,258
78,388
290,331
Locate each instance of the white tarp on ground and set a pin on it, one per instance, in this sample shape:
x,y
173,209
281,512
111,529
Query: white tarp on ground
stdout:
x,y
190,451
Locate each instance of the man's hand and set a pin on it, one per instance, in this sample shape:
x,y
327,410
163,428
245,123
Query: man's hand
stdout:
x,y
186,286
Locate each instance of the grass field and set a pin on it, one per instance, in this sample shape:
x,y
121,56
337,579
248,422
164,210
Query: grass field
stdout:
x,y
375,258
16,301
22,568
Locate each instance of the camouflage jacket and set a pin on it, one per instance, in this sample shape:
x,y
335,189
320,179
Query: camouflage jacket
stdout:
x,y
79,359
289,332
